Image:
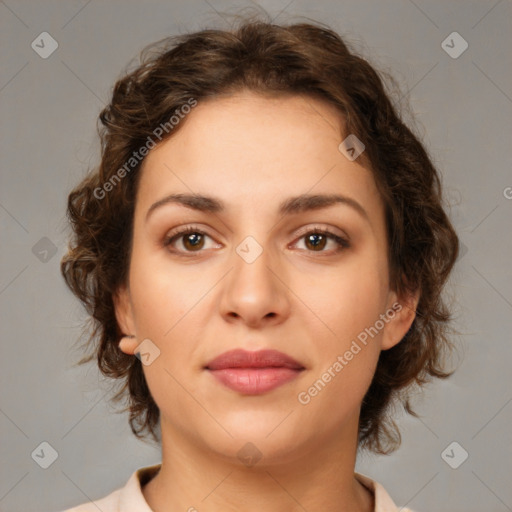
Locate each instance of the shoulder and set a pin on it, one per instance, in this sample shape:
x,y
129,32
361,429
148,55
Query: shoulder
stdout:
x,y
383,501
125,499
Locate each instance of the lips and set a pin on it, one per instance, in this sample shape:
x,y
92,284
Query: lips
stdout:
x,y
260,359
253,373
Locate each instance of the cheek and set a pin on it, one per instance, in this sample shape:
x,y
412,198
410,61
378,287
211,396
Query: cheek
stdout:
x,y
162,293
170,309
349,305
346,353
349,300
165,306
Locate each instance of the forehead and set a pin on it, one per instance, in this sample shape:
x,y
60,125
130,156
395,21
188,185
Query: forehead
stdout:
x,y
254,151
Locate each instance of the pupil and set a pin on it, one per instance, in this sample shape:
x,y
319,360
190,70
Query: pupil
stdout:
x,y
318,243
193,239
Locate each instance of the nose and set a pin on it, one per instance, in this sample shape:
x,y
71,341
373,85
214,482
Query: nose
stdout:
x,y
255,291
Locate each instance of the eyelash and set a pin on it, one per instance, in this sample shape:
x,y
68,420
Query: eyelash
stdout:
x,y
168,240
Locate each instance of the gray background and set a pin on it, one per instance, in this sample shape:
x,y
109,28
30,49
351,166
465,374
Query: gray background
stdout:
x,y
48,115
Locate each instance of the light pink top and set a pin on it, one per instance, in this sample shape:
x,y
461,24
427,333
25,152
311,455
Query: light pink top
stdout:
x,y
130,498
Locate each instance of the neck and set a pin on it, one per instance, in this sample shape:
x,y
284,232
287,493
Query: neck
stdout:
x,y
321,477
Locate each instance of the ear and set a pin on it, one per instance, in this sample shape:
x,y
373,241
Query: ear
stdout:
x,y
125,319
400,315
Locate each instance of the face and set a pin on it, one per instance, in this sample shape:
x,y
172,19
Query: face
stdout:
x,y
259,271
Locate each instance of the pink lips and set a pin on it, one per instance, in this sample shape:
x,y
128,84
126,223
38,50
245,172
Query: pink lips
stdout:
x,y
253,373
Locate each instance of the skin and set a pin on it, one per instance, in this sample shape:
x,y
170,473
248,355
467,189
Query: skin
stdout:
x,y
253,152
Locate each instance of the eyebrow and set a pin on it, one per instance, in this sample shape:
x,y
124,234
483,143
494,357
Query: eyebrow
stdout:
x,y
290,206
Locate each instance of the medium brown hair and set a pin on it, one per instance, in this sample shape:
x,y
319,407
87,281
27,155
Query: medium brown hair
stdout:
x,y
306,59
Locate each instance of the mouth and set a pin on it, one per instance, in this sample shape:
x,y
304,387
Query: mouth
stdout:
x,y
254,373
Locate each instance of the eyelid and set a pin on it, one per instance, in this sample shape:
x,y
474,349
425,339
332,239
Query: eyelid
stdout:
x,y
341,239
319,228
184,230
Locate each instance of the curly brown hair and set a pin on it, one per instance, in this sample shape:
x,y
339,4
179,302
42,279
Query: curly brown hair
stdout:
x,y
307,59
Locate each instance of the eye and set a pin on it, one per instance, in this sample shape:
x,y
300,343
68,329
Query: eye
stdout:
x,y
193,240
317,238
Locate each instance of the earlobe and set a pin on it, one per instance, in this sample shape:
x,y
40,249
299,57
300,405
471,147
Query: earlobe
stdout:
x,y
124,317
128,344
401,314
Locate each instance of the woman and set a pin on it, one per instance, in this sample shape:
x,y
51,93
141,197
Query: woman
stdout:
x,y
263,249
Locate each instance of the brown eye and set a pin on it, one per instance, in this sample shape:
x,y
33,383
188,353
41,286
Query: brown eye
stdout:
x,y
192,240
317,239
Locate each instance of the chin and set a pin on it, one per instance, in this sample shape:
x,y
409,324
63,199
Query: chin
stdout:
x,y
259,452
260,439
